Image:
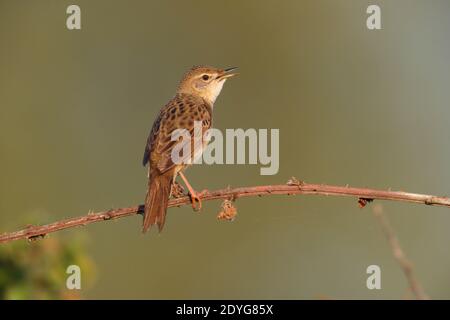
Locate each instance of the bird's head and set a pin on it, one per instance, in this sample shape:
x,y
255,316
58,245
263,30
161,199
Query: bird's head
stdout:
x,y
206,82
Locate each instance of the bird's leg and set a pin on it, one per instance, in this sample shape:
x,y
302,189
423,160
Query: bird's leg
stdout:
x,y
195,199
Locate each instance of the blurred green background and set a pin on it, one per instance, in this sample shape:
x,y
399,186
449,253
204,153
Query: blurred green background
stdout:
x,y
359,107
40,270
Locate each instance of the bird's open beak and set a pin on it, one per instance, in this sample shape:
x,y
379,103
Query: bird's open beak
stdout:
x,y
227,73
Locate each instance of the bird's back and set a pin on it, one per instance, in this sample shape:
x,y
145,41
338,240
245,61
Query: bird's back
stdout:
x,y
181,112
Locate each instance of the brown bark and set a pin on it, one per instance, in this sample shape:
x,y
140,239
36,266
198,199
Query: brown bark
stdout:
x,y
293,187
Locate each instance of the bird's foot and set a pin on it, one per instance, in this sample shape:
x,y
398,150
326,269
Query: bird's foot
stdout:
x,y
196,199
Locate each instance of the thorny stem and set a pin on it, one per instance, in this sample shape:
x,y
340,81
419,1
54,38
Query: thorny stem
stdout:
x,y
293,187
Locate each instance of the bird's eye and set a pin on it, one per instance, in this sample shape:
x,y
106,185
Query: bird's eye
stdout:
x,y
205,77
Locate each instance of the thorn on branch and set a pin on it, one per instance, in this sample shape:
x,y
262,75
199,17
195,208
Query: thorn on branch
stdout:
x,y
293,181
362,202
108,215
430,201
36,237
228,212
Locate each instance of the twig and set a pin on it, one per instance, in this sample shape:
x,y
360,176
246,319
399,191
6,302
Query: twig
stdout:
x,y
399,255
293,187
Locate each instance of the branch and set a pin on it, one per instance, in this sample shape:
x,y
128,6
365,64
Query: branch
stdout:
x,y
293,187
399,255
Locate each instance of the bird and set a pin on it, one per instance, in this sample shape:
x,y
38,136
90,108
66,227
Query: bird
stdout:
x,y
193,103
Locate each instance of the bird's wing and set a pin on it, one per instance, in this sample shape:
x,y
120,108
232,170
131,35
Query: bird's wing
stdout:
x,y
180,113
151,138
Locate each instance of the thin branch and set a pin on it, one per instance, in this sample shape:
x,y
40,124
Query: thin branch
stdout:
x,y
293,187
399,254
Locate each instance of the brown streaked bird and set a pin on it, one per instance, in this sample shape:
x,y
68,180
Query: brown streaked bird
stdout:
x,y
192,102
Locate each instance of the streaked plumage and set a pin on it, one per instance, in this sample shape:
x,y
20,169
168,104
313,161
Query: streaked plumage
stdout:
x,y
193,102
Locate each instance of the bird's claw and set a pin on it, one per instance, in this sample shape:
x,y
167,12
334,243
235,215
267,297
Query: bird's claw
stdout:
x,y
196,199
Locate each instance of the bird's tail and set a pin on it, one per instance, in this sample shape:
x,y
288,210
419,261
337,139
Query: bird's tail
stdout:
x,y
156,202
